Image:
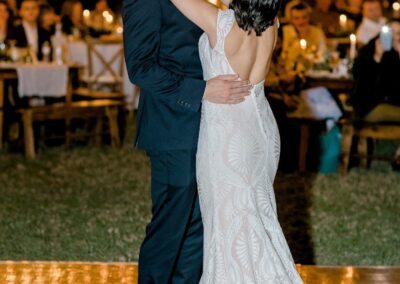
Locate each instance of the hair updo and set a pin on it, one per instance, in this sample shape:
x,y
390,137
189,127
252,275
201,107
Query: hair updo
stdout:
x,y
255,15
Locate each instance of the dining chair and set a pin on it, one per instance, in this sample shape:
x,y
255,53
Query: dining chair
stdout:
x,y
103,77
354,127
363,131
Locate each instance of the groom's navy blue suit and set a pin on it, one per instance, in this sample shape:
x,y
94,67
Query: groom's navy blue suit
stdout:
x,y
161,50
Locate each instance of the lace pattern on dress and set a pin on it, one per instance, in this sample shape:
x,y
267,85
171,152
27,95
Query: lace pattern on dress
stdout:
x,y
237,159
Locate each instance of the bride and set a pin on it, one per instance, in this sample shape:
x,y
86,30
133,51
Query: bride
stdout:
x,y
238,148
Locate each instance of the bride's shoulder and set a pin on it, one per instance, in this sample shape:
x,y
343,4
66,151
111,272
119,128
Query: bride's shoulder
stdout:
x,y
225,14
225,20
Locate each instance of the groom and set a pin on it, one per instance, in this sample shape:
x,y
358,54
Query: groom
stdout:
x,y
161,50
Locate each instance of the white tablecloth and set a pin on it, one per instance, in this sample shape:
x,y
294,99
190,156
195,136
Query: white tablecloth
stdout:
x,y
42,79
78,53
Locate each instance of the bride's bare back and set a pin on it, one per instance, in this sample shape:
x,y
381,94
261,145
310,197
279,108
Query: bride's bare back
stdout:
x,y
248,54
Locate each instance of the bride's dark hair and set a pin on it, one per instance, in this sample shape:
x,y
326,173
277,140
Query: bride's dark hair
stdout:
x,y
255,15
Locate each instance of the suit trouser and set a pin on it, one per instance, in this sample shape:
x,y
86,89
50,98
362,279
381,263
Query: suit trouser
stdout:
x,y
172,251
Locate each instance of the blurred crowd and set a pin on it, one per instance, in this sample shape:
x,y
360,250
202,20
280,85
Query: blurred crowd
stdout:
x,y
39,30
362,35
315,28
32,23
314,35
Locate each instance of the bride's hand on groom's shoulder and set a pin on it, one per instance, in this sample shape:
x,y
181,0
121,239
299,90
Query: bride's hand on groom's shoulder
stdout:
x,y
227,89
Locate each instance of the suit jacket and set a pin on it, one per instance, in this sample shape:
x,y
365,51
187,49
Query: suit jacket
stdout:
x,y
18,34
68,27
375,83
7,33
161,51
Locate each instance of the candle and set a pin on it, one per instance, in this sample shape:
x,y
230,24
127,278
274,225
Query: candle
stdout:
x,y
343,22
106,14
303,44
386,4
396,9
353,42
109,19
86,17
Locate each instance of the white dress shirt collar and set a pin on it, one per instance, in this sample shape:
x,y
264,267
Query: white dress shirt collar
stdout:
x,y
32,35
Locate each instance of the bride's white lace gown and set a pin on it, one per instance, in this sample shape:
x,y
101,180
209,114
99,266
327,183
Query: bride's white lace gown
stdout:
x,y
237,159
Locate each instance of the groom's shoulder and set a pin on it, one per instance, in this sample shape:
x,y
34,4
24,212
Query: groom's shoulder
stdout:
x,y
151,8
168,8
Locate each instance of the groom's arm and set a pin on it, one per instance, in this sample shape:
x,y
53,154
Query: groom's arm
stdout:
x,y
142,24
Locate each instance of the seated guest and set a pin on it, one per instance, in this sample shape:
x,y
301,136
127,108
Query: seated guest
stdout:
x,y
325,16
279,80
72,17
12,6
4,22
57,4
102,6
372,21
43,3
376,97
300,28
281,89
351,8
48,18
340,5
354,10
97,19
115,5
354,6
287,7
29,33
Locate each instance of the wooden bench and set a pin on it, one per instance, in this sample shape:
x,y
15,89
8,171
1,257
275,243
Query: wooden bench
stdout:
x,y
67,111
364,131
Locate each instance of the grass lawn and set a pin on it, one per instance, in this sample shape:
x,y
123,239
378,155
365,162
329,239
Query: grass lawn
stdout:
x,y
93,204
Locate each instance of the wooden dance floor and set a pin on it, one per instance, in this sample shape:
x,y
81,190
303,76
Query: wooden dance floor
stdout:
x,y
124,273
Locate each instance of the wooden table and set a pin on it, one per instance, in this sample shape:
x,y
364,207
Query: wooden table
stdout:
x,y
334,84
8,72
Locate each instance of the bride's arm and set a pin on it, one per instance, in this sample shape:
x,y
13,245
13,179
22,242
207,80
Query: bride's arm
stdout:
x,y
200,12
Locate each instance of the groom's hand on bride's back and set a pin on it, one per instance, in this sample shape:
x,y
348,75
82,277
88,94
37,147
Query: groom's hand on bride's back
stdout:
x,y
227,89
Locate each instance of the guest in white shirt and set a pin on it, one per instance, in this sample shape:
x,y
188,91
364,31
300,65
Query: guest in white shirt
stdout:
x,y
372,21
29,33
300,28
